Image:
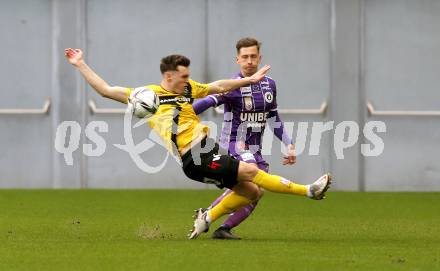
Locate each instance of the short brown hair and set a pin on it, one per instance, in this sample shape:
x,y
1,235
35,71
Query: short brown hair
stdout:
x,y
170,63
247,42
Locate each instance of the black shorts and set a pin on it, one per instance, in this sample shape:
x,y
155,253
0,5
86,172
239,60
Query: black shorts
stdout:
x,y
210,166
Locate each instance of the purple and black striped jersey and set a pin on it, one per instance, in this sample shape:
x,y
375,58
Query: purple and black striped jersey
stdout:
x,y
247,111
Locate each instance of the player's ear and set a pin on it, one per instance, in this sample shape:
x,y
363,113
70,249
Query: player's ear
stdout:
x,y
236,59
167,75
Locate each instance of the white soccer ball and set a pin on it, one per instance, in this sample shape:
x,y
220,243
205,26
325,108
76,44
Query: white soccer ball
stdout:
x,y
143,102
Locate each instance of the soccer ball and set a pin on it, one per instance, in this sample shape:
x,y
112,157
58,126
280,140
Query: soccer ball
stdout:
x,y
143,102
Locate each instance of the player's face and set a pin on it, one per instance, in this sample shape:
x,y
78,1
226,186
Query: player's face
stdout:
x,y
178,79
248,59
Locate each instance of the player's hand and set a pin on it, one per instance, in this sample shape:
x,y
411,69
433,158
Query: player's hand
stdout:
x,y
74,56
290,158
256,77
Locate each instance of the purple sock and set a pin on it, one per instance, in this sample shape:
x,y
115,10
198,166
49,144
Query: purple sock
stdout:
x,y
239,216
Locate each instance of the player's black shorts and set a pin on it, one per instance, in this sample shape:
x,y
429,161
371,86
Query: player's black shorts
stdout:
x,y
210,166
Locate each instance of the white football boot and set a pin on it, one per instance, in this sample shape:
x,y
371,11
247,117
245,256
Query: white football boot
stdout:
x,y
201,223
319,187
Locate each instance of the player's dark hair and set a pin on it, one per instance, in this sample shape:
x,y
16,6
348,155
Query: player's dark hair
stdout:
x,y
247,42
170,63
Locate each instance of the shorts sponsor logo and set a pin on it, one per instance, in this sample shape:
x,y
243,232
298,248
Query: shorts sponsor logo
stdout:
x,y
214,165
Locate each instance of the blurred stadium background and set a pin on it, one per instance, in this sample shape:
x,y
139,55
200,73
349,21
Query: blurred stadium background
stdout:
x,y
345,53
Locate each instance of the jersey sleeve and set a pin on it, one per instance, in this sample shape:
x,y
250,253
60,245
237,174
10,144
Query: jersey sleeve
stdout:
x,y
201,105
275,121
274,87
199,90
277,126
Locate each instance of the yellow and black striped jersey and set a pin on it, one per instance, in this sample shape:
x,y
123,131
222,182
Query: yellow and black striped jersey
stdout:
x,y
175,120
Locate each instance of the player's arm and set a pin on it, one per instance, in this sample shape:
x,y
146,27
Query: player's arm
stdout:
x,y
226,85
277,126
201,105
75,57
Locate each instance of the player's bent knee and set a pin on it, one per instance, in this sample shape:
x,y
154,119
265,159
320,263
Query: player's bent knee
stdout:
x,y
254,194
247,171
260,193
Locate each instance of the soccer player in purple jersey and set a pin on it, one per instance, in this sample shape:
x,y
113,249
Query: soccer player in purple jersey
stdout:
x,y
247,111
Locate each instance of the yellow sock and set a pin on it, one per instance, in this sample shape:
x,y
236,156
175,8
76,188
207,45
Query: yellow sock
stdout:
x,y
227,205
279,184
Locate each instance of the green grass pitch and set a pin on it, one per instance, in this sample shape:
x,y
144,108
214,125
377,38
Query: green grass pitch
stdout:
x,y
146,230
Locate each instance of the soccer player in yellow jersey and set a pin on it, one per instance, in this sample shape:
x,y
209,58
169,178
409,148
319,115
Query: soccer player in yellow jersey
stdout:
x,y
180,128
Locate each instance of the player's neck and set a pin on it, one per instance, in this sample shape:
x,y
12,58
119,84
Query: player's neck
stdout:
x,y
244,74
168,87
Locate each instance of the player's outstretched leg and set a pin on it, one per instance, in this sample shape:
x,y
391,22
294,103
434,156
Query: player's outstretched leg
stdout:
x,y
233,201
279,184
